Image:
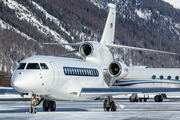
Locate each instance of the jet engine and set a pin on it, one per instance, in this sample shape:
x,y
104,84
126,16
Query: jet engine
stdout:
x,y
118,70
86,49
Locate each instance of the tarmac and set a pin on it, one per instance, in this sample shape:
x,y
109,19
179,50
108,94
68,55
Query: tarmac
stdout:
x,y
169,109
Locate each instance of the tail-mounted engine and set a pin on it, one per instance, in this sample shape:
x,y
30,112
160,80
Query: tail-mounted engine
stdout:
x,y
118,70
86,49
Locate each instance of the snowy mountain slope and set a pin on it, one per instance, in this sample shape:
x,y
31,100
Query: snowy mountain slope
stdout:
x,y
32,22
174,3
158,16
24,14
5,25
25,24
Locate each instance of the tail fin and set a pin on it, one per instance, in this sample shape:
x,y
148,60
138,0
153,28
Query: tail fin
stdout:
x,y
108,34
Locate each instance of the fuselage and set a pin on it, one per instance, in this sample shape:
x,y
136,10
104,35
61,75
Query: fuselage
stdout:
x,y
57,78
145,77
60,78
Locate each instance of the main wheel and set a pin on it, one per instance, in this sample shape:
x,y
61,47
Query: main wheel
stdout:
x,y
46,105
52,106
133,100
105,108
158,98
113,106
161,99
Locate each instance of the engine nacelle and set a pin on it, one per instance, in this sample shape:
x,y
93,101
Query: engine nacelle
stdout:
x,y
118,70
86,49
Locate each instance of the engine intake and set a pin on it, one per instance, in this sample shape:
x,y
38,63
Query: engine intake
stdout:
x,y
86,49
118,69
115,69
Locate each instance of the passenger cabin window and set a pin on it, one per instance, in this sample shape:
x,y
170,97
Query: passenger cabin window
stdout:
x,y
153,77
169,77
44,66
33,66
161,77
177,77
21,66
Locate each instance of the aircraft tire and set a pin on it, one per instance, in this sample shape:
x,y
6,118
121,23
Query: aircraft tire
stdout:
x,y
113,106
105,108
32,110
52,106
158,98
45,105
133,100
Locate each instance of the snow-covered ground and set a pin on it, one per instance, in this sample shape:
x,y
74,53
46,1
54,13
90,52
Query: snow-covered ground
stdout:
x,y
174,3
68,110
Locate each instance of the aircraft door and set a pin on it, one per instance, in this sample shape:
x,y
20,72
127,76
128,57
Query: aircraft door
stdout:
x,y
55,76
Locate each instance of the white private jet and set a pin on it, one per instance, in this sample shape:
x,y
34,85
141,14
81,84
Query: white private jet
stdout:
x,y
49,78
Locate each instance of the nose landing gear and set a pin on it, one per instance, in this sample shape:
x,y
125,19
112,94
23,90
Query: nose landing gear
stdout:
x,y
47,104
34,102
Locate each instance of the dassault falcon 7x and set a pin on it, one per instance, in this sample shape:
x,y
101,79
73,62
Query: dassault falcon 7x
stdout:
x,y
48,78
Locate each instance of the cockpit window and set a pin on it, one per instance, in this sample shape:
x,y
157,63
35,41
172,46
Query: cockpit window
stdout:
x,y
44,66
21,66
33,66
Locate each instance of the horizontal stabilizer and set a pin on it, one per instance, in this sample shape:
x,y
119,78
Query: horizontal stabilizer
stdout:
x,y
71,44
136,48
69,53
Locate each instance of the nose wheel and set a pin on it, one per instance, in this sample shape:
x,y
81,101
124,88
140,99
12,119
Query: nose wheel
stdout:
x,y
34,102
32,110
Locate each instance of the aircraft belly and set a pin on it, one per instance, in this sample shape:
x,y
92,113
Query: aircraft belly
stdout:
x,y
72,88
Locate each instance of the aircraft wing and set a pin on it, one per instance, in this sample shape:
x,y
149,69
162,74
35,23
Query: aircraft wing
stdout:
x,y
7,90
71,44
102,92
136,48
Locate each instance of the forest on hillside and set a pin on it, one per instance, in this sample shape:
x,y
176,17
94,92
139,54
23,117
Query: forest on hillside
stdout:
x,y
77,17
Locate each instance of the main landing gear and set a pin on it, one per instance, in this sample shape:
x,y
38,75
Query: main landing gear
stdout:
x,y
109,103
134,98
47,104
159,98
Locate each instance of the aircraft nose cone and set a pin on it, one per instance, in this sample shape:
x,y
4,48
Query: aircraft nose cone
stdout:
x,y
19,85
23,82
22,85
